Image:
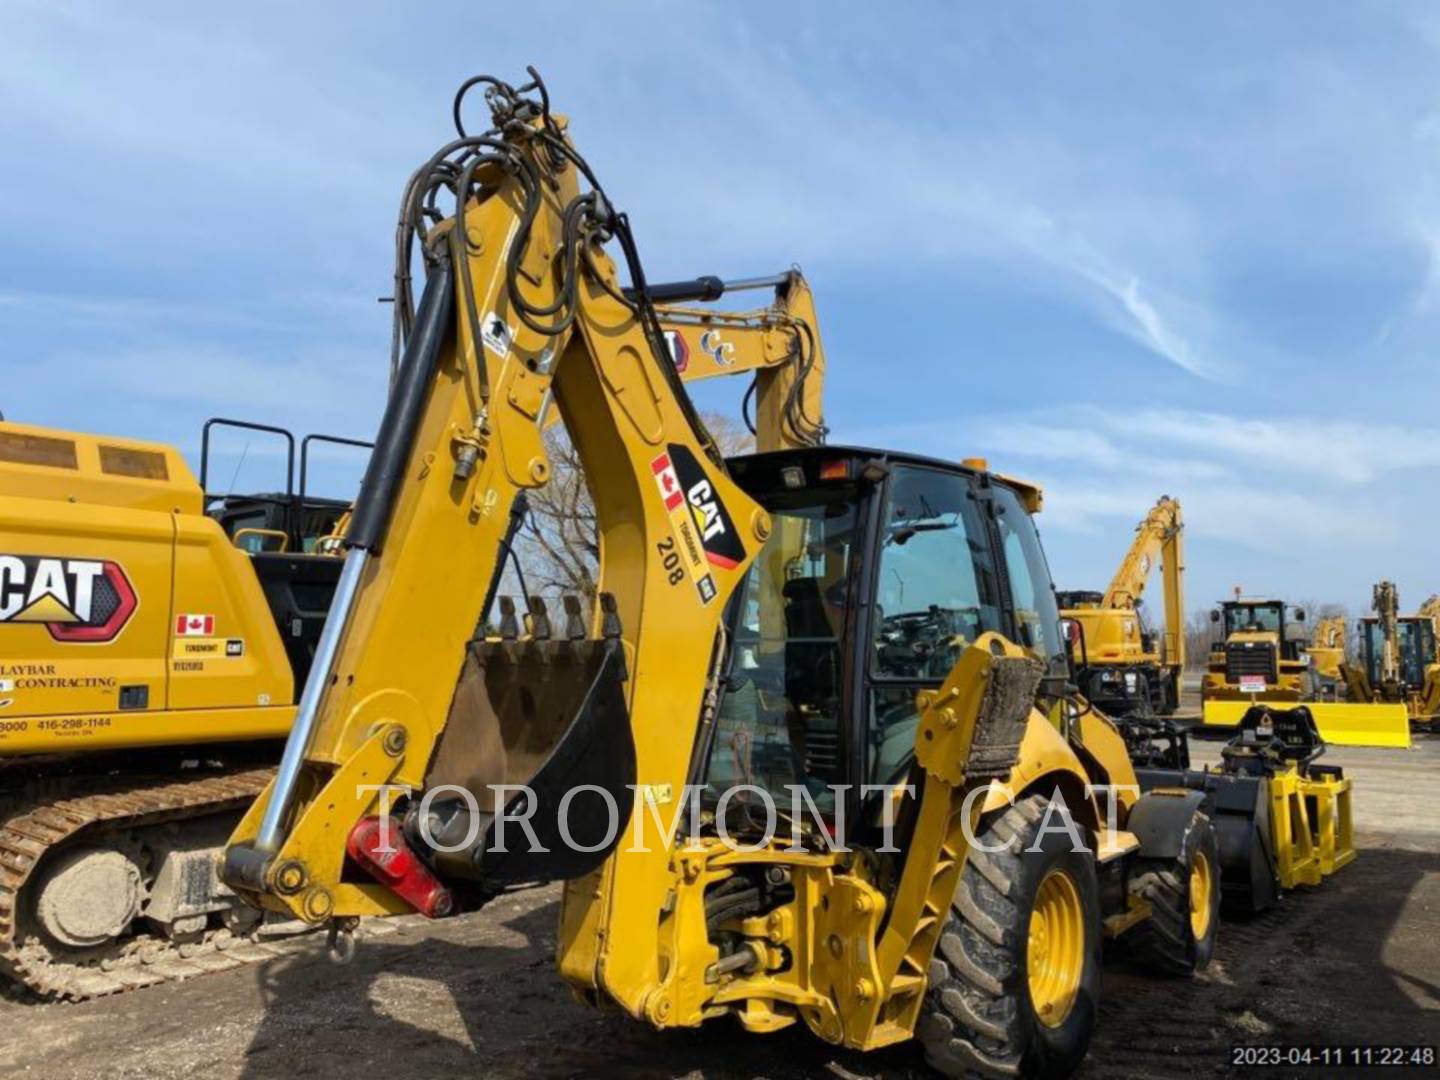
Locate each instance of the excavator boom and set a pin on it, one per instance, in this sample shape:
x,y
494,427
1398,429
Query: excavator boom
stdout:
x,y
1159,537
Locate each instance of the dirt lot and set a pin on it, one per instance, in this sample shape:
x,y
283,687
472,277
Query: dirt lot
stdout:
x,y
1357,961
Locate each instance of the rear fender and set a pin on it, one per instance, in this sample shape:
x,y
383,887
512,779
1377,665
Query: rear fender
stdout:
x,y
1159,820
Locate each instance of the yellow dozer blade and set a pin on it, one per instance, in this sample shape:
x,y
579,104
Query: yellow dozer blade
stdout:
x,y
1343,723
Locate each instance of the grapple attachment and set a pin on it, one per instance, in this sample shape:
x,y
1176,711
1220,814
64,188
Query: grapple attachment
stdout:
x,y
1282,818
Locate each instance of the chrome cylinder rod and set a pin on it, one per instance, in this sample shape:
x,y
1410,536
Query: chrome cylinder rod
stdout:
x,y
283,792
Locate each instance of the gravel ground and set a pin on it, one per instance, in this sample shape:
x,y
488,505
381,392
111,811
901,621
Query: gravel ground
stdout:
x,y
1355,961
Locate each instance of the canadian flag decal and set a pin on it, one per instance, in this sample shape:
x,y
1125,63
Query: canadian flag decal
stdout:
x,y
667,481
194,625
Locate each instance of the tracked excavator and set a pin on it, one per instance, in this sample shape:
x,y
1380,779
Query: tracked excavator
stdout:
x,y
153,635
1124,670
813,756
1401,666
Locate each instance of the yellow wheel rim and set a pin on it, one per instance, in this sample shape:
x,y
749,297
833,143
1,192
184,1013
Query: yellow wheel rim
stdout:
x,y
1202,882
1055,955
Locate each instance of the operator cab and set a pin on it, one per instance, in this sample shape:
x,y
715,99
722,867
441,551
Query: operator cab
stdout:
x,y
880,568
1414,648
1248,616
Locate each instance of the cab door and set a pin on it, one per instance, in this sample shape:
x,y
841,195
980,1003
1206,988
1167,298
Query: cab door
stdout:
x,y
935,587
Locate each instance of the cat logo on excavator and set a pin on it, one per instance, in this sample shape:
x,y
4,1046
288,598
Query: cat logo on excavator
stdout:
x,y
87,600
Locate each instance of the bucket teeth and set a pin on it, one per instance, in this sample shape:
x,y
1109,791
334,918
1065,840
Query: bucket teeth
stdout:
x,y
574,621
509,624
609,616
539,619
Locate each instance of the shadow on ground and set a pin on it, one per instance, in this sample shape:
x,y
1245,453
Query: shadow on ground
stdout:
x,y
481,997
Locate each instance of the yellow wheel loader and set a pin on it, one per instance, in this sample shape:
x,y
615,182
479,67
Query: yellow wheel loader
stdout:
x,y
1258,656
1124,670
812,757
147,673
1261,660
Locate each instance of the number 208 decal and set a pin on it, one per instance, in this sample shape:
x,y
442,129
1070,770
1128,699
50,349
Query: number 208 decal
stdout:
x,y
704,535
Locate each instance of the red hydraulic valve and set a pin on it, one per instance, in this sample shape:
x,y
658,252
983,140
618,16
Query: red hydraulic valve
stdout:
x,y
379,846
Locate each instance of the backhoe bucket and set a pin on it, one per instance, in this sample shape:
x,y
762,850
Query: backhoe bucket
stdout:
x,y
1341,723
540,749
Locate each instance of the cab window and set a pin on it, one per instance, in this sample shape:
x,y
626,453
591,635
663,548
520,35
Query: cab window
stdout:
x,y
936,591
1037,618
778,721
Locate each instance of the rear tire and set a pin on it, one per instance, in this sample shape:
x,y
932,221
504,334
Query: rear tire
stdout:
x,y
980,1016
1184,894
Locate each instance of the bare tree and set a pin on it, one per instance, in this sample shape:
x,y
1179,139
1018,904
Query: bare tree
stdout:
x,y
557,548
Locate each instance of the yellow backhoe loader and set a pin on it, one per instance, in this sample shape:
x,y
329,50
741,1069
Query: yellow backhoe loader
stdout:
x,y
1124,669
813,757
152,638
1400,664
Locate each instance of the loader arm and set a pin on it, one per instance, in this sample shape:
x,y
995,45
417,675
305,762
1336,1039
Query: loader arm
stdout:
x,y
1386,603
1159,536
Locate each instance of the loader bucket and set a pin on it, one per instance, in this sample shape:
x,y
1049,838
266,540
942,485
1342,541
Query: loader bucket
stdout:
x,y
550,715
1341,723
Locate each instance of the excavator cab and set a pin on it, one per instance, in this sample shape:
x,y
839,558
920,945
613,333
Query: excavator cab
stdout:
x,y
287,533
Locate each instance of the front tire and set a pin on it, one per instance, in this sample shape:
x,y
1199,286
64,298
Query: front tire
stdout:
x,y
1015,982
1184,894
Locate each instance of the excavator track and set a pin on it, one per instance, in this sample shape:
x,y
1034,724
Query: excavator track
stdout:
x,y
60,810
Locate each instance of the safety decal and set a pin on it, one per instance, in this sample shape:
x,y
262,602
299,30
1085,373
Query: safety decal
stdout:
x,y
687,538
679,350
77,600
717,532
194,625
497,336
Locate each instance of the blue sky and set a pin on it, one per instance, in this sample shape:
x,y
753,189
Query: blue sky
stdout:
x,y
1124,249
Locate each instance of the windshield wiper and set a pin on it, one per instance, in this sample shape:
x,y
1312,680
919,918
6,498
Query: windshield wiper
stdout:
x,y
902,534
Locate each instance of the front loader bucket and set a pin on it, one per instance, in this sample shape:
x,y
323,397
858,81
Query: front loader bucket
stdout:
x,y
538,730
1341,723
